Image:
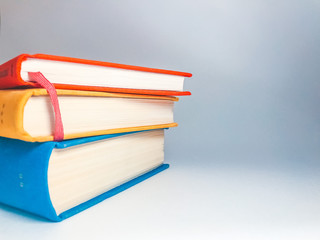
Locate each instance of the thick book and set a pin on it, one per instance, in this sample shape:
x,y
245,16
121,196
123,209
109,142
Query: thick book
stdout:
x,y
89,75
56,180
27,114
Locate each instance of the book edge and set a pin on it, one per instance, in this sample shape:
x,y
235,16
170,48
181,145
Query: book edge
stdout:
x,y
81,207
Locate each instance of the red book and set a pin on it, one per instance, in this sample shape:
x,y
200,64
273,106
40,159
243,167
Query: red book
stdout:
x,y
89,75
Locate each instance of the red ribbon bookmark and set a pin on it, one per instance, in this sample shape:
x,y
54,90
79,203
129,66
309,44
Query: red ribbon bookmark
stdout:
x,y
43,82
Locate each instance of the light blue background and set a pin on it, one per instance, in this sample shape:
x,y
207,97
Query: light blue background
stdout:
x,y
245,157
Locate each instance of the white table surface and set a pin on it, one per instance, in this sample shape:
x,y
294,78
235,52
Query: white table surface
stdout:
x,y
193,201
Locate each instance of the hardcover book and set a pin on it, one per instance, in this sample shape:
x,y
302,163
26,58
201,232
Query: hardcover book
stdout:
x,y
81,74
56,180
27,114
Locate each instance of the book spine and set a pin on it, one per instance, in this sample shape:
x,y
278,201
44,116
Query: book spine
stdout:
x,y
23,177
10,73
12,104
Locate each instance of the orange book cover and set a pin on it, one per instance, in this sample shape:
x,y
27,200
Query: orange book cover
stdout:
x,y
10,76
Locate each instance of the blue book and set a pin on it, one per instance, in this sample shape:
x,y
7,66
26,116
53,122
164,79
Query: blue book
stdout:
x,y
56,180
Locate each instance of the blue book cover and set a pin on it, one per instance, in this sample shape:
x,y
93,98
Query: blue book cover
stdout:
x,y
24,176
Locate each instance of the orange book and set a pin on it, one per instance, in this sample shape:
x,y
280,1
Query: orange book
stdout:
x,y
89,75
26,114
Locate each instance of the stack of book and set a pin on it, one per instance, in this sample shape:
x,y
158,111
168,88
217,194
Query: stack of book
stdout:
x,y
75,132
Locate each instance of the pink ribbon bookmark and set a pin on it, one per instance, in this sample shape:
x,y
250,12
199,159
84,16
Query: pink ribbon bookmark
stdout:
x,y
43,82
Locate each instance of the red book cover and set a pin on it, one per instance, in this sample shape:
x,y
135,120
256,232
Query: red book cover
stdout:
x,y
10,76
